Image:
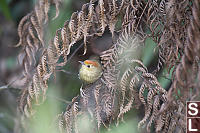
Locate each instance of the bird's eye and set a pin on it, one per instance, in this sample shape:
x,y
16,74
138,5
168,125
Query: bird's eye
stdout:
x,y
88,66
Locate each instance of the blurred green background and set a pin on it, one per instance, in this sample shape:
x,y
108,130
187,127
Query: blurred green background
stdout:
x,y
67,84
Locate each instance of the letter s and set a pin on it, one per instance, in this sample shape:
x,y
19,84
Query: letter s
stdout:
x,y
193,108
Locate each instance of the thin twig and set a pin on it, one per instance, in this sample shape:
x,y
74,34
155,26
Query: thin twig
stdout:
x,y
75,51
66,72
59,99
9,84
4,87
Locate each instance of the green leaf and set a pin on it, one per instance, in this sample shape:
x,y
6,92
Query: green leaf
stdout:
x,y
149,52
5,9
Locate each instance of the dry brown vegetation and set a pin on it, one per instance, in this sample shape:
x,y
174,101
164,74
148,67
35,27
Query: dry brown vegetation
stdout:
x,y
126,83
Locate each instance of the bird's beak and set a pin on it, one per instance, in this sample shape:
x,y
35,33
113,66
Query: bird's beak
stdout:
x,y
81,62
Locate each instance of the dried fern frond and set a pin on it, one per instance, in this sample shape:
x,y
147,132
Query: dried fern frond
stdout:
x,y
155,94
96,100
128,50
125,82
186,72
90,21
80,26
31,34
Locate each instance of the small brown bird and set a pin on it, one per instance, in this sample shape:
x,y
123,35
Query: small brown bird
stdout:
x,y
90,71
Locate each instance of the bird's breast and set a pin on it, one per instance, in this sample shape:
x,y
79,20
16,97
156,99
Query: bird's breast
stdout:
x,y
89,76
